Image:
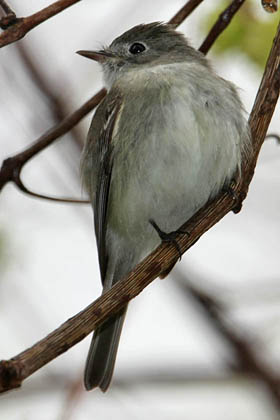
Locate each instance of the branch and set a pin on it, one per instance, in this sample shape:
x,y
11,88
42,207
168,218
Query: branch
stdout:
x,y
221,24
183,13
23,25
6,8
11,167
10,16
15,370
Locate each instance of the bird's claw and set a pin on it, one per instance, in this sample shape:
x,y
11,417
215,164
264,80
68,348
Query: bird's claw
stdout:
x,y
170,236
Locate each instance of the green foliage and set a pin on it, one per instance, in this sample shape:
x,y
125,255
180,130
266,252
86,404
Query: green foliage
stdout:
x,y
247,32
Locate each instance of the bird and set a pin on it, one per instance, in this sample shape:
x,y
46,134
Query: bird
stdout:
x,y
169,135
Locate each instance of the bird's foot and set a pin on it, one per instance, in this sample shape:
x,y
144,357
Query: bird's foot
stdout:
x,y
170,236
230,189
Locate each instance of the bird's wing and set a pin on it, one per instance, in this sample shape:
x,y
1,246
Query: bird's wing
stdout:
x,y
98,163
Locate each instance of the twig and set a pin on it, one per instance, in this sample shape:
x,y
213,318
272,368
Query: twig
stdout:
x,y
263,108
11,167
58,110
15,370
222,22
6,8
273,136
23,188
183,13
10,17
24,25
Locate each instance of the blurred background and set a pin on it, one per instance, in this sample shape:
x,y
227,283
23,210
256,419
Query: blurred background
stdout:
x,y
204,342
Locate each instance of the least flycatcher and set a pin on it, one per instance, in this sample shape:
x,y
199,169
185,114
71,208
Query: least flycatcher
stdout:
x,y
169,135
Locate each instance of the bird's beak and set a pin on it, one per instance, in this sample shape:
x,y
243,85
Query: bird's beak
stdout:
x,y
99,56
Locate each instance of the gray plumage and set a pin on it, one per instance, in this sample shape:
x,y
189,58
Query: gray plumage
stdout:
x,y
167,137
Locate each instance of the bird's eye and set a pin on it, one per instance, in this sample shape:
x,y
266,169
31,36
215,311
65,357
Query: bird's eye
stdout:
x,y
137,48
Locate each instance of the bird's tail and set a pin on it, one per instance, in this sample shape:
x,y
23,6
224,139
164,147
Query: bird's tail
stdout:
x,y
102,353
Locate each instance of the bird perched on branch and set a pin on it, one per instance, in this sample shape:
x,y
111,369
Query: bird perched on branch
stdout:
x,y
169,135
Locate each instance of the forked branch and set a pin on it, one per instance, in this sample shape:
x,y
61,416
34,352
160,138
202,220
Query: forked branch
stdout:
x,y
22,26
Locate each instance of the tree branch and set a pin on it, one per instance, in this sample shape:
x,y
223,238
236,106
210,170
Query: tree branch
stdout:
x,y
183,13
23,25
11,167
221,24
10,16
6,8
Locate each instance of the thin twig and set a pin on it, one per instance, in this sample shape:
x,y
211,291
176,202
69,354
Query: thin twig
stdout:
x,y
57,108
222,22
11,167
24,25
273,136
183,13
6,8
10,16
23,188
263,108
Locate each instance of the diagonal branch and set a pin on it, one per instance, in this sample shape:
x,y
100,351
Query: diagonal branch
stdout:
x,y
183,13
221,24
12,166
10,16
6,8
23,25
15,370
